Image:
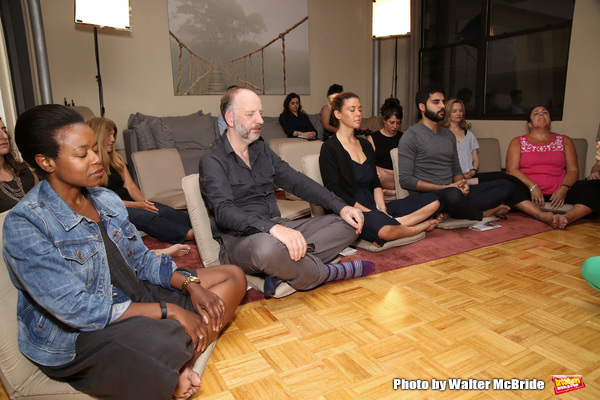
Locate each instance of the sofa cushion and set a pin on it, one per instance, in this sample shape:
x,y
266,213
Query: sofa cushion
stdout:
x,y
194,131
271,129
142,125
315,120
162,136
191,159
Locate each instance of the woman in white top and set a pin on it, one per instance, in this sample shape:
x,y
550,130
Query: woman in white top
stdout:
x,y
466,143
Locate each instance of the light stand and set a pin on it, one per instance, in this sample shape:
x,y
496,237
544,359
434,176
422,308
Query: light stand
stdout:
x,y
112,14
99,77
391,18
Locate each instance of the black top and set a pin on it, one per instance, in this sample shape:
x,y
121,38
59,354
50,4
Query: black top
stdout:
x,y
364,178
337,169
383,146
242,200
116,184
123,278
7,202
291,123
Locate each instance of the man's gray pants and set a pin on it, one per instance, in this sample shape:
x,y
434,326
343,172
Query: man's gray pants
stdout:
x,y
261,253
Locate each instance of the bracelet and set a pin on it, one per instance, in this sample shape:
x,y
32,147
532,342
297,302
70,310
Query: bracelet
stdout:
x,y
568,187
381,208
163,310
533,187
187,281
474,169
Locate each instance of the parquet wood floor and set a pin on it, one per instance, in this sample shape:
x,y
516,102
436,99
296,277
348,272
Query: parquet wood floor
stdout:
x,y
518,309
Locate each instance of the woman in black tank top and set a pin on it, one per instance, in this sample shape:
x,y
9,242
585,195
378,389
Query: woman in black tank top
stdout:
x,y
386,139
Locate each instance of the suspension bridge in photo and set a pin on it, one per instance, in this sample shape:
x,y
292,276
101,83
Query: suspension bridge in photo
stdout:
x,y
211,76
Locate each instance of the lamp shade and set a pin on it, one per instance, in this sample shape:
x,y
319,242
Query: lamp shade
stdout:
x,y
391,18
104,14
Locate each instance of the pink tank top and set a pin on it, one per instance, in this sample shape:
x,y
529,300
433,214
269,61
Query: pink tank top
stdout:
x,y
544,164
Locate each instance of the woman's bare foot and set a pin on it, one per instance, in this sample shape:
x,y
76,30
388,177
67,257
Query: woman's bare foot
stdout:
x,y
502,209
442,217
189,382
562,221
549,218
176,250
426,226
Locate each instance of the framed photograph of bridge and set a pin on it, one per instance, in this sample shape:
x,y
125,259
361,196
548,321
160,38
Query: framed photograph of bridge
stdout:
x,y
258,44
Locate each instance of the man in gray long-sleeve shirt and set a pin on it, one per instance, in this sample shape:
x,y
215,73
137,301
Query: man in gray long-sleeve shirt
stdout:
x,y
428,162
237,177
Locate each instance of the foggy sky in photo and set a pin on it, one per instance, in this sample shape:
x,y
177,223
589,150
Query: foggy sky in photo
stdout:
x,y
222,30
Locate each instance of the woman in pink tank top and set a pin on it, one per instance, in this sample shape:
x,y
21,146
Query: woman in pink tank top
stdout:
x,y
546,163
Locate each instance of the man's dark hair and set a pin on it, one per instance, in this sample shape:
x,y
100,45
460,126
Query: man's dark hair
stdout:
x,y
424,93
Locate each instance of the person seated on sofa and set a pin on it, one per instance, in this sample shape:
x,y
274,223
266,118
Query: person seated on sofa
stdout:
x,y
546,164
16,178
237,178
468,155
326,115
466,143
386,139
347,164
428,162
294,121
94,304
156,219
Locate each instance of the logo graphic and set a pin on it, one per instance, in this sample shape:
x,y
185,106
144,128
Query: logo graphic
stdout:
x,y
567,383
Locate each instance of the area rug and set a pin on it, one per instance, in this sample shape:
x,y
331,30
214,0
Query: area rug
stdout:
x,y
437,244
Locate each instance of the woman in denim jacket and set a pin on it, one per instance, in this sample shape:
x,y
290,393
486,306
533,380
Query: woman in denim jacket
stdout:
x,y
96,307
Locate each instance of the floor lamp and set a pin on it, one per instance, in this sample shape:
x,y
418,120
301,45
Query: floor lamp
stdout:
x,y
111,14
391,18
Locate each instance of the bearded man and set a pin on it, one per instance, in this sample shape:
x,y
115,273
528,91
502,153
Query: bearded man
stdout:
x,y
428,162
237,178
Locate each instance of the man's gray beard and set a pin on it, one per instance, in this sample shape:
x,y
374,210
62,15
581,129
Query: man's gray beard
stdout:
x,y
244,133
433,116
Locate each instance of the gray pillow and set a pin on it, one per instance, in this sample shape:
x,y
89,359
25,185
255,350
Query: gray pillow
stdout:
x,y
315,119
271,129
141,124
194,131
162,135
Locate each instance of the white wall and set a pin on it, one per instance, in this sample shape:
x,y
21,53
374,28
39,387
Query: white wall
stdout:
x,y
136,68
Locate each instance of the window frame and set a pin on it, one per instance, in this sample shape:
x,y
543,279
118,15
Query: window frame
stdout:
x,y
482,44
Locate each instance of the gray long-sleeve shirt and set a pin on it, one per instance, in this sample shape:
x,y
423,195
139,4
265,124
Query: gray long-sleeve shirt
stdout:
x,y
242,200
425,155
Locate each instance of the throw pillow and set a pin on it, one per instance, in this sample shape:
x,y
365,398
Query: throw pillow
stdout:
x,y
271,129
140,123
194,131
315,119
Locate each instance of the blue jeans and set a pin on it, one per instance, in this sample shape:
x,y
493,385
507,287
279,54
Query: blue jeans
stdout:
x,y
168,225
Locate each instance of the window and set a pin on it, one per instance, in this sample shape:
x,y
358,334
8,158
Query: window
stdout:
x,y
501,57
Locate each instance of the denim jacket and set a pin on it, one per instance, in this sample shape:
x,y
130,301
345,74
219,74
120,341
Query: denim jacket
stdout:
x,y
57,261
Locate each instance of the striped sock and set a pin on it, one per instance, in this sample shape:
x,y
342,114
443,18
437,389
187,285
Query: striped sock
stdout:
x,y
348,270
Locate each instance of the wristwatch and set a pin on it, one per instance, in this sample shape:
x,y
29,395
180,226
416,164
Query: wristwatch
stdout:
x,y
187,281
